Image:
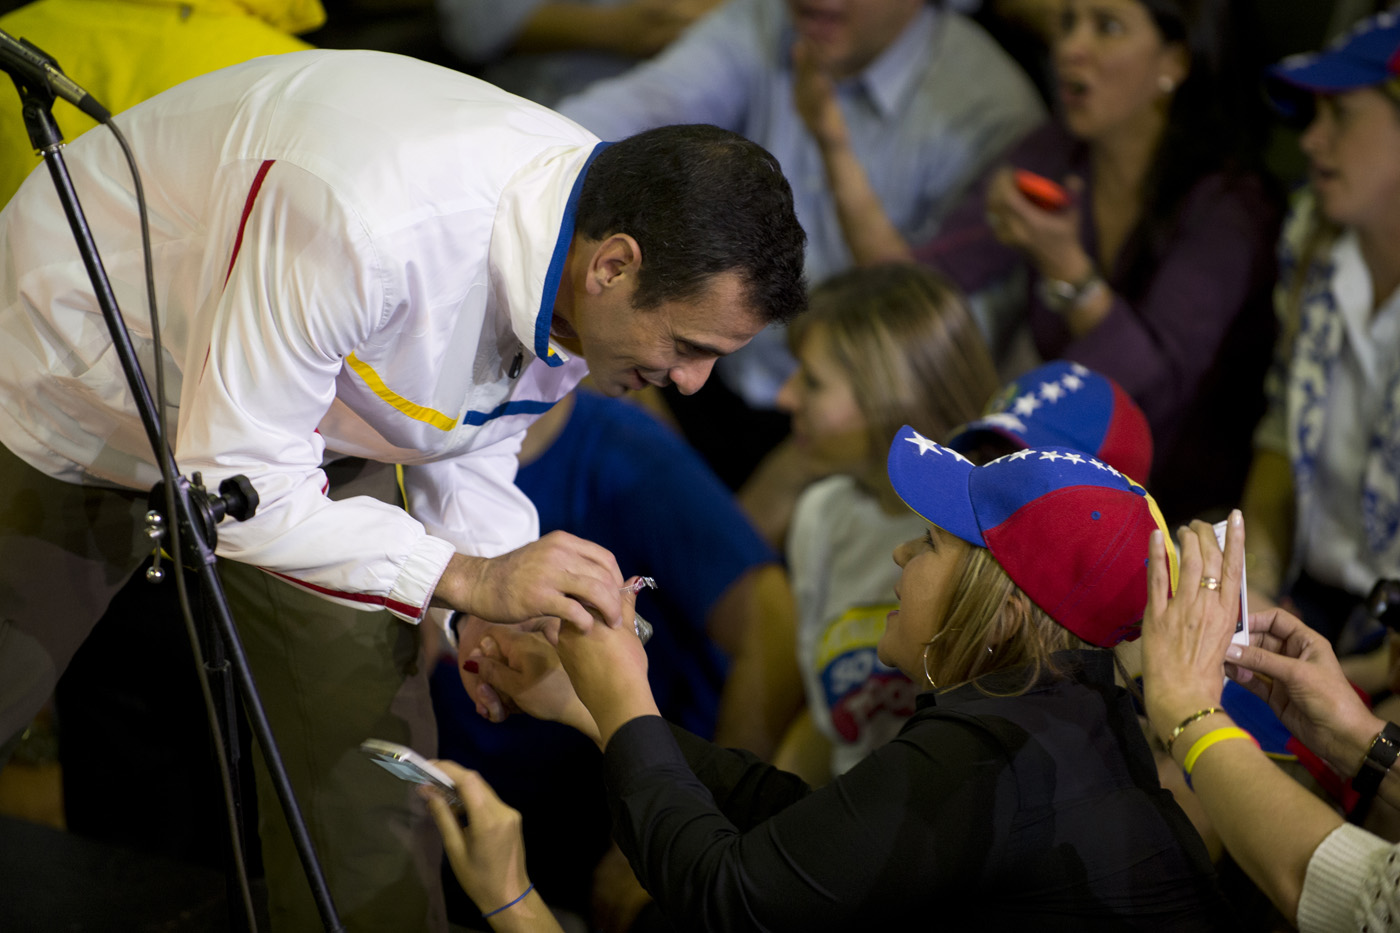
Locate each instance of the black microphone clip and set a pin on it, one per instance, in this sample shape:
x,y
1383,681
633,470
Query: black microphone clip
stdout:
x,y
35,72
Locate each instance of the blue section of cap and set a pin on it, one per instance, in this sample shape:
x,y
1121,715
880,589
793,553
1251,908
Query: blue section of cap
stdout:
x,y
933,481
1059,404
1360,58
1008,484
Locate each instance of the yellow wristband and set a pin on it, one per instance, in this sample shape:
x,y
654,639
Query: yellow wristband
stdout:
x,y
1209,739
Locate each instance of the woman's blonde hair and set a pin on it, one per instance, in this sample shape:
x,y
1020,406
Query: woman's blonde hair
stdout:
x,y
988,610
904,336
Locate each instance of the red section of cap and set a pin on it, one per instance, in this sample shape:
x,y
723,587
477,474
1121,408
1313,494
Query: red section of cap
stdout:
x,y
1080,553
1127,444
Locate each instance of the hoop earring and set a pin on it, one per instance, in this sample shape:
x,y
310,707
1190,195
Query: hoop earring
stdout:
x,y
927,645
927,676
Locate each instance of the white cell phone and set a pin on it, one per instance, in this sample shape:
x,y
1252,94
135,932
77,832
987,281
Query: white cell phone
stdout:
x,y
1241,636
405,763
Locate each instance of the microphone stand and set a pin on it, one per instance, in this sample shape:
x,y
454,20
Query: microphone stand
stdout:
x,y
196,511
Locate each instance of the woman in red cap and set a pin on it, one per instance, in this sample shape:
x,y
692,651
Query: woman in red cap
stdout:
x,y
1021,794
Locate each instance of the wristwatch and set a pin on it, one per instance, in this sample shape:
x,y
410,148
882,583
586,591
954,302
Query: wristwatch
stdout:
x,y
1061,296
1385,748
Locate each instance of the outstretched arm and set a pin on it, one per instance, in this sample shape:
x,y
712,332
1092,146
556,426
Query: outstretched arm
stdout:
x,y
559,575
1186,637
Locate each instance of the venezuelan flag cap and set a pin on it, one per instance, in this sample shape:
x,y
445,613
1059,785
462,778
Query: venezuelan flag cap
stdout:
x,y
1065,404
1070,530
1367,55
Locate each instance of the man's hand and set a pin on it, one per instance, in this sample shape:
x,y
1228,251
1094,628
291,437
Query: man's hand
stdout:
x,y
558,575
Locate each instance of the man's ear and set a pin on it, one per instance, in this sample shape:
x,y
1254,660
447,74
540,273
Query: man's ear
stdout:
x,y
615,262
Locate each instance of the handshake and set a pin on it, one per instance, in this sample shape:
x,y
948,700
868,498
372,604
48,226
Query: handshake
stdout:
x,y
593,681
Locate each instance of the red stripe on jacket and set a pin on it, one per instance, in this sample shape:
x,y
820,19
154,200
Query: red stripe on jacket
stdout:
x,y
384,602
247,209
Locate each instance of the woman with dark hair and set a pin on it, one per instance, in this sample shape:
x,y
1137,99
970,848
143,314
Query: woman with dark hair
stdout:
x,y
1156,268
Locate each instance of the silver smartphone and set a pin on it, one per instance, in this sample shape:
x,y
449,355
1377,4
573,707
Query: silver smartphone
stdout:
x,y
405,763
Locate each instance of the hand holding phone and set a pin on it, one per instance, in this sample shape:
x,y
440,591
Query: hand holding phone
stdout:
x,y
1041,191
1241,636
403,762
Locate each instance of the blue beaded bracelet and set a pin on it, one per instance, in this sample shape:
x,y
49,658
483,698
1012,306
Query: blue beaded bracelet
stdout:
x,y
512,903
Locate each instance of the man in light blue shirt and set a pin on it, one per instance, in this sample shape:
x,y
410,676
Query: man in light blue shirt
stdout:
x,y
930,101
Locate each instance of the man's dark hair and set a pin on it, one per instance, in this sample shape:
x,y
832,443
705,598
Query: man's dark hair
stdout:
x,y
699,200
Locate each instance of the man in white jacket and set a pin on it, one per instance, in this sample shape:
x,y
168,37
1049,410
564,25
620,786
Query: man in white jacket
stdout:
x,y
357,255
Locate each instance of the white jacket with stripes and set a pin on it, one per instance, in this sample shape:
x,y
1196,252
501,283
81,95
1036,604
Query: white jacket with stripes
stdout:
x,y
355,254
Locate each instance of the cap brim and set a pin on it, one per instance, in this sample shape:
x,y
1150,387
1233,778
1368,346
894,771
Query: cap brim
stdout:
x,y
932,480
1328,74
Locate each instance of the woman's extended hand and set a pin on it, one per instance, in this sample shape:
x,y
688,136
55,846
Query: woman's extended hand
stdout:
x,y
1305,687
1185,634
608,668
1049,238
523,669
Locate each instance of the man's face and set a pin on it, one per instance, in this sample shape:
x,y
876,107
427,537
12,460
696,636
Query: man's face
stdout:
x,y
847,35
628,348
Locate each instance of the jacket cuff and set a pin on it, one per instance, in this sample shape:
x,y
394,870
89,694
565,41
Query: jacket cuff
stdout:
x,y
419,577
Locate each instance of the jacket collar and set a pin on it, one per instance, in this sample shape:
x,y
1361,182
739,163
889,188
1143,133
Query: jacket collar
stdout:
x,y
539,205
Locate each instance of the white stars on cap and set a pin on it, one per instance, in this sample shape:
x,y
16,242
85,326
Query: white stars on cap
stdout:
x,y
924,444
1100,465
1051,391
1026,405
1057,456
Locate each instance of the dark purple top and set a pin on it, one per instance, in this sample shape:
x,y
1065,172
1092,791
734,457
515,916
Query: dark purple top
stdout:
x,y
1190,345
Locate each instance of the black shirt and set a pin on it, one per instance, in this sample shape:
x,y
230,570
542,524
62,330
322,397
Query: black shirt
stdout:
x,y
1037,811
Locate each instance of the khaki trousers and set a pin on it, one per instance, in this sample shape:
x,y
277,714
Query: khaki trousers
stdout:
x,y
329,677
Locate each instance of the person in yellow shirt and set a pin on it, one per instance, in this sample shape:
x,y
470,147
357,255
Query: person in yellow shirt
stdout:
x,y
124,51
